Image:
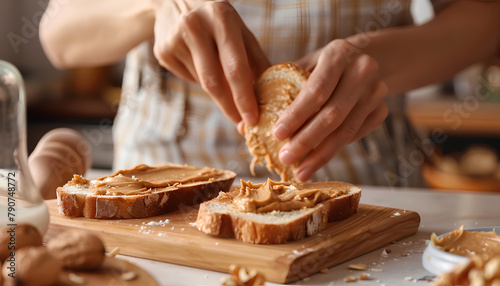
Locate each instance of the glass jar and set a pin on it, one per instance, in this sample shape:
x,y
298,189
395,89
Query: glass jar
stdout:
x,y
20,200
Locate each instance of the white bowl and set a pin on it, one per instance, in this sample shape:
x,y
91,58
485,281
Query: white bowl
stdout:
x,y
437,261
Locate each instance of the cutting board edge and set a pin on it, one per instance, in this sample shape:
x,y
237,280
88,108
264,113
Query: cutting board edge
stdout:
x,y
410,216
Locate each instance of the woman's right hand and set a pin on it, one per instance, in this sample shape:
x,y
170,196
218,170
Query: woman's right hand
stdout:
x,y
342,101
207,42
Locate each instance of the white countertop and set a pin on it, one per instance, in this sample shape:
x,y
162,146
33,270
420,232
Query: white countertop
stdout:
x,y
440,212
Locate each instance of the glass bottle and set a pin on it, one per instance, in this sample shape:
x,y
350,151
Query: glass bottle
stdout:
x,y
20,200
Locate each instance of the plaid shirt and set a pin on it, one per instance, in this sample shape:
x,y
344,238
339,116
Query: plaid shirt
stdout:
x,y
163,119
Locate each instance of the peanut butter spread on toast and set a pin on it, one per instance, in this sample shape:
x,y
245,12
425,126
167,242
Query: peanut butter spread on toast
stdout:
x,y
469,243
274,95
279,196
259,138
144,179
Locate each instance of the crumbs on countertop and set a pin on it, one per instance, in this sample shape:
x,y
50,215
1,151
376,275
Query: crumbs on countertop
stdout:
x,y
160,223
358,266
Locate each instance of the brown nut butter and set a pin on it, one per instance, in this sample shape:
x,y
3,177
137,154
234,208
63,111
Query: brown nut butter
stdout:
x,y
469,243
281,196
144,179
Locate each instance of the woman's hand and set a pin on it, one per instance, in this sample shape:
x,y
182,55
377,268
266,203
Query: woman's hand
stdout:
x,y
207,42
342,101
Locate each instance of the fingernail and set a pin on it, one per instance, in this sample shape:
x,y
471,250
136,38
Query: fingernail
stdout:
x,y
241,127
304,174
249,118
287,157
280,131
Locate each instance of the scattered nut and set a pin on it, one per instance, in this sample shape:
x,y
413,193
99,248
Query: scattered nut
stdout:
x,y
241,277
404,254
492,268
475,272
76,279
358,266
388,250
127,276
19,236
114,252
245,276
350,279
227,281
78,249
364,276
34,266
324,271
476,277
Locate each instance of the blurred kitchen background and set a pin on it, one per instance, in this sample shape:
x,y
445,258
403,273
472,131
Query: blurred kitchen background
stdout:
x,y
84,99
460,117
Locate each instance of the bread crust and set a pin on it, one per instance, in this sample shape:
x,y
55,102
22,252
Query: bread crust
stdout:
x,y
139,206
235,224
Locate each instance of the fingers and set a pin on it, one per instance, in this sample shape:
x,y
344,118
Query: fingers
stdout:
x,y
211,45
234,61
362,120
328,146
179,63
335,111
241,127
256,57
308,62
315,93
205,62
172,52
376,118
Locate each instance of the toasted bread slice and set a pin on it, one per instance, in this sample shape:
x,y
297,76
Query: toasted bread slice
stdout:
x,y
222,216
275,89
142,191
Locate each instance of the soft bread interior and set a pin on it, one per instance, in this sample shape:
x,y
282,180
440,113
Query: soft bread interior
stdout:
x,y
274,217
288,72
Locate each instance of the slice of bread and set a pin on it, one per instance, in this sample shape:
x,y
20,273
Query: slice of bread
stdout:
x,y
158,190
275,89
222,217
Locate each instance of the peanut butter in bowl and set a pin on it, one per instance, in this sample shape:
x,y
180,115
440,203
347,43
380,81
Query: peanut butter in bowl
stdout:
x,y
457,251
469,243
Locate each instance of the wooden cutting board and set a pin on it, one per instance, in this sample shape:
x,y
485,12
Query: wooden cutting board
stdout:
x,y
173,238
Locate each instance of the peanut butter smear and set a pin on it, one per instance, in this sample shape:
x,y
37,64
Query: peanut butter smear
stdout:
x,y
469,243
144,179
273,98
279,196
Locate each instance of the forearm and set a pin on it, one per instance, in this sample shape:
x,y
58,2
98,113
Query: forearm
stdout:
x,y
464,33
89,33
